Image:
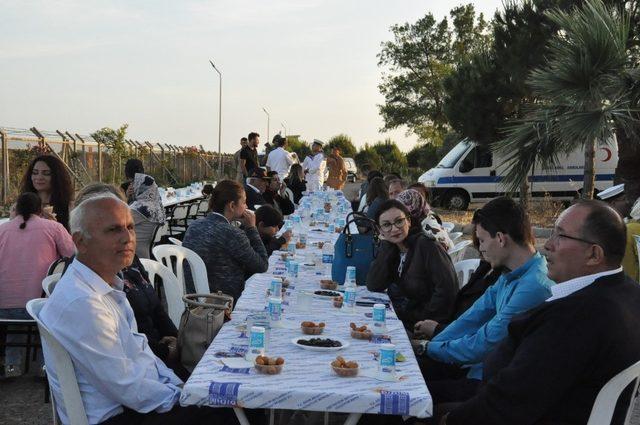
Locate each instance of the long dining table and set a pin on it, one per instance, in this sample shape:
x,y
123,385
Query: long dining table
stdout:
x,y
307,381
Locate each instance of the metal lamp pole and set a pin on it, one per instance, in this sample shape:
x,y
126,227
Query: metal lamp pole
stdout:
x,y
285,129
268,118
219,123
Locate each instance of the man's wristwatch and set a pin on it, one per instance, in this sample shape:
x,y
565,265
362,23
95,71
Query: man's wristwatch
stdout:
x,y
422,348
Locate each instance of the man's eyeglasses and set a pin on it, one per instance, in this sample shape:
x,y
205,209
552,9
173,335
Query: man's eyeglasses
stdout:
x,y
386,226
555,236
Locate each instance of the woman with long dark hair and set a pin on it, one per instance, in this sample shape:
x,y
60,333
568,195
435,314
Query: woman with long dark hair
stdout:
x,y
413,267
28,245
48,178
377,193
231,254
296,182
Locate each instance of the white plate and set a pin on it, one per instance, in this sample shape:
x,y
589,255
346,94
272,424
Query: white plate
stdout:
x,y
294,341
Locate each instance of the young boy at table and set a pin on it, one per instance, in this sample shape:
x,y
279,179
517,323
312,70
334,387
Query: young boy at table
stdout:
x,y
268,222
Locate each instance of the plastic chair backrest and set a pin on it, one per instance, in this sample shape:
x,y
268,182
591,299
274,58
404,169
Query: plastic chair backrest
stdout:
x,y
160,232
448,226
63,367
175,241
605,404
49,283
163,253
180,212
172,289
464,269
457,252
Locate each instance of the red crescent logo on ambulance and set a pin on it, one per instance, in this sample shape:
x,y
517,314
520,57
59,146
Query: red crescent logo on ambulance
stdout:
x,y
608,151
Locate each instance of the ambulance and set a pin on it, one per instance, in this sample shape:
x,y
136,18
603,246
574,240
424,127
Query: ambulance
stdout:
x,y
472,173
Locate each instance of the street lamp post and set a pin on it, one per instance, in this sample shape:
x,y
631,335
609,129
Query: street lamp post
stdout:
x,y
285,129
268,118
219,123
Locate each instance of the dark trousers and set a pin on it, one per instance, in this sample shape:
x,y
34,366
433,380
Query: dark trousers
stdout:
x,y
447,383
178,415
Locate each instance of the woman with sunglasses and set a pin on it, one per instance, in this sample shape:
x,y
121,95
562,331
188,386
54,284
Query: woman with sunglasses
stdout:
x,y
412,267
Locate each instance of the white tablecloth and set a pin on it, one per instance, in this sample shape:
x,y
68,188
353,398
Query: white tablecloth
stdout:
x,y
178,200
307,381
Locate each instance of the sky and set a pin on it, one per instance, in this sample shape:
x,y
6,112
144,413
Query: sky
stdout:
x,y
83,65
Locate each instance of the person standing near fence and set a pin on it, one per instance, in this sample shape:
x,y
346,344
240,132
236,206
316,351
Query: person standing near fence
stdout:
x,y
238,162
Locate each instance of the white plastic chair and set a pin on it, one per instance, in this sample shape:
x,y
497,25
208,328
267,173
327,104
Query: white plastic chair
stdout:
x,y
175,241
454,236
49,283
172,289
63,368
448,226
464,269
163,254
607,398
457,252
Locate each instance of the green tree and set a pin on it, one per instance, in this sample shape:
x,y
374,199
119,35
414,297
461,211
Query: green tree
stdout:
x,y
344,143
392,158
423,156
114,140
300,147
584,92
368,159
418,59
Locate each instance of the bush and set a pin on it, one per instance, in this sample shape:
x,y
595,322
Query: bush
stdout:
x,y
344,143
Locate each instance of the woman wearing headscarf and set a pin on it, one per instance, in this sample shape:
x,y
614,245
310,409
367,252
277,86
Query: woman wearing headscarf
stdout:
x,y
421,212
412,267
147,212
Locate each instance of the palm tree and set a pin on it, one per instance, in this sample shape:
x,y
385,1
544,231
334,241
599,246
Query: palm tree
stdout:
x,y
584,93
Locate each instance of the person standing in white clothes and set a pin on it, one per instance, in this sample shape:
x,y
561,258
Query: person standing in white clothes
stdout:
x,y
280,159
314,167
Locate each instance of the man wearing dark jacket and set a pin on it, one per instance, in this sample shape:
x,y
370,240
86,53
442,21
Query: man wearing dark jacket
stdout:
x,y
255,188
274,195
558,356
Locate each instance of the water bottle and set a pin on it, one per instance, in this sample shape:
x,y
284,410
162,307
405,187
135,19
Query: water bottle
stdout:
x,y
256,343
327,258
387,363
379,318
350,288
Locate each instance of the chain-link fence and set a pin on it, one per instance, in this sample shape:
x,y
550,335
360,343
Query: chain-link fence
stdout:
x,y
88,161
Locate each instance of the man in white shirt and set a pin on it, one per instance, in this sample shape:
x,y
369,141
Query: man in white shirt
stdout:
x,y
315,166
279,160
121,381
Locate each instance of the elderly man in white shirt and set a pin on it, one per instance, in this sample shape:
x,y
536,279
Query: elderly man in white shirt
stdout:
x,y
315,167
121,381
279,159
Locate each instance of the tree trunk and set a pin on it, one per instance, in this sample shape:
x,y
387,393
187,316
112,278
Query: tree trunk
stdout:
x,y
524,193
628,171
589,168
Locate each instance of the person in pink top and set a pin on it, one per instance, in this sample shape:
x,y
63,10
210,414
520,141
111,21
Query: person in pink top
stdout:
x,y
28,245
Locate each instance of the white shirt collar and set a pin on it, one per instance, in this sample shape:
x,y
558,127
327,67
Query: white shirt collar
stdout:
x,y
217,213
94,280
567,288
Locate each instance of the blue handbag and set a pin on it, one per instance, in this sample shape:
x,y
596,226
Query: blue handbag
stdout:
x,y
356,250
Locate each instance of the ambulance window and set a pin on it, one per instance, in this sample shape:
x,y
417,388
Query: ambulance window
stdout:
x,y
484,158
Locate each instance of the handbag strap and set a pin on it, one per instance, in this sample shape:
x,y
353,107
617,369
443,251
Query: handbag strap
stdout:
x,y
359,217
192,300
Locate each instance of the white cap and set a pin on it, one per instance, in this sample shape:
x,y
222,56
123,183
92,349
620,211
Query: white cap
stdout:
x,y
611,192
320,142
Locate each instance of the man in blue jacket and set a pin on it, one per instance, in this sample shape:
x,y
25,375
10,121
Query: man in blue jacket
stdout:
x,y
506,241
